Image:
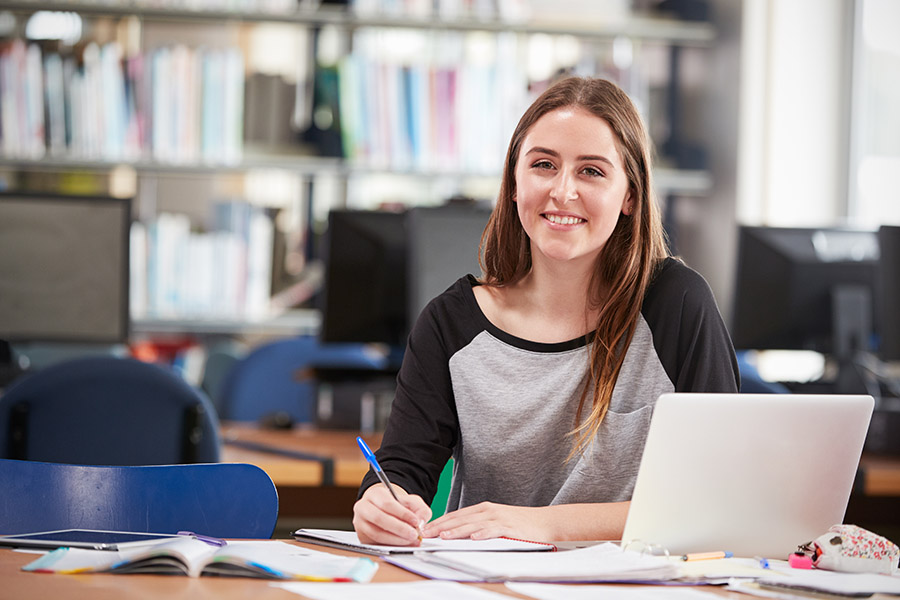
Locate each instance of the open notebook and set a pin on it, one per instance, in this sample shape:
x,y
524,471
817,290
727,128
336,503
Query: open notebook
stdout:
x,y
753,474
348,540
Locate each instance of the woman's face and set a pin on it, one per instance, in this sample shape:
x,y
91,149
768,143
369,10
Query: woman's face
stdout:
x,y
571,185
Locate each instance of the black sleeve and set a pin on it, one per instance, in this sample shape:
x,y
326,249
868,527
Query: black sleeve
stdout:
x,y
689,335
422,428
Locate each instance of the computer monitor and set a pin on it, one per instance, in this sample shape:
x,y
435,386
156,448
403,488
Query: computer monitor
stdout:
x,y
806,289
889,280
443,246
365,278
382,268
64,268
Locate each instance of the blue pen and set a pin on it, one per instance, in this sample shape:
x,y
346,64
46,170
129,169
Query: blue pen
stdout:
x,y
370,457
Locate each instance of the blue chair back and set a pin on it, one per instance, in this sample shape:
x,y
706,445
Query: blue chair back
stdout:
x,y
278,377
227,500
103,410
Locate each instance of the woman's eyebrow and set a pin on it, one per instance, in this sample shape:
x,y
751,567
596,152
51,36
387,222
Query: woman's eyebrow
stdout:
x,y
555,154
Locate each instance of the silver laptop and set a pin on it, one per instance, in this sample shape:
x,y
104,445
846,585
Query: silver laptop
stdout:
x,y
752,474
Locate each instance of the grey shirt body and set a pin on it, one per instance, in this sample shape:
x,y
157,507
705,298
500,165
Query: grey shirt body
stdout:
x,y
504,407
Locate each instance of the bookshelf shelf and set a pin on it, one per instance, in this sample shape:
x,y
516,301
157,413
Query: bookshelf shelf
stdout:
x,y
644,27
292,323
667,179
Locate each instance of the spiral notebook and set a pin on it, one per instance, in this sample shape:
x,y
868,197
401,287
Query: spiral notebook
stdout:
x,y
348,540
753,474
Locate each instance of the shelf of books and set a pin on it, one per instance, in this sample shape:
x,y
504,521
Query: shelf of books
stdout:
x,y
445,107
430,95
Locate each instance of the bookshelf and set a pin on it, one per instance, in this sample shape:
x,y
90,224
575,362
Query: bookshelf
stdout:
x,y
155,165
650,28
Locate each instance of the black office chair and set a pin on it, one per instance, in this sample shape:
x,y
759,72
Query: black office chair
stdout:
x,y
107,411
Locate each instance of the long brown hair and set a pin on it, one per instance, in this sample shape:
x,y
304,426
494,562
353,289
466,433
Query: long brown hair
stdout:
x,y
628,260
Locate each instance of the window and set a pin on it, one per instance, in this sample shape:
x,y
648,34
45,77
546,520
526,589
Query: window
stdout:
x,y
875,118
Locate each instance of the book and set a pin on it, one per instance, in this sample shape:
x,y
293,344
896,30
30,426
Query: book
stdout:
x,y
55,103
193,557
603,562
348,540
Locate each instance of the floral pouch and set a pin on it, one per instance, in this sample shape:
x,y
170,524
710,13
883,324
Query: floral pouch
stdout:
x,y
852,549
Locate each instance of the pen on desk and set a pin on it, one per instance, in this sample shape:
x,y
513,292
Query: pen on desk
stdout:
x,y
707,555
763,561
212,541
382,477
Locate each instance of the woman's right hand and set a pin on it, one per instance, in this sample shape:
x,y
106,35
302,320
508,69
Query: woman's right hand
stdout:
x,y
379,519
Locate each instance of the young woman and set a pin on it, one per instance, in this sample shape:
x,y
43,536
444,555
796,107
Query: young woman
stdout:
x,y
540,377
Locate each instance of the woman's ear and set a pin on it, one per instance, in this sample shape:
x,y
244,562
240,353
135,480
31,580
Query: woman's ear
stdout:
x,y
628,204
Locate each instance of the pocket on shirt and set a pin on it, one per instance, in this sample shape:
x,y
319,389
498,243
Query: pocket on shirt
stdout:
x,y
607,471
623,435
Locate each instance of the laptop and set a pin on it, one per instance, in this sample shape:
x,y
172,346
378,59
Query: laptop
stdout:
x,y
751,474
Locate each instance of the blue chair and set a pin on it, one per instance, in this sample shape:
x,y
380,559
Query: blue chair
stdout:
x,y
103,410
278,378
220,359
227,500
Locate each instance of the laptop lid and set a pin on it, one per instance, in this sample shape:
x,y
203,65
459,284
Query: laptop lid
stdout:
x,y
753,474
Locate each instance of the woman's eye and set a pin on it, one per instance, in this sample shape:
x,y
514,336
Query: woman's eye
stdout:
x,y
543,164
593,172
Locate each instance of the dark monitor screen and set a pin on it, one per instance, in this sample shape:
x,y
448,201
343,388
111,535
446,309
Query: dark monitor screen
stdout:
x,y
443,246
64,268
889,279
805,289
365,278
382,268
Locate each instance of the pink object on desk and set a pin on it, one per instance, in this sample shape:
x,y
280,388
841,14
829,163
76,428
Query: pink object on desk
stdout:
x,y
800,561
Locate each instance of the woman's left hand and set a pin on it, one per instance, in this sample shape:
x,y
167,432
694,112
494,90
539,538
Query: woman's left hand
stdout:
x,y
489,520
559,522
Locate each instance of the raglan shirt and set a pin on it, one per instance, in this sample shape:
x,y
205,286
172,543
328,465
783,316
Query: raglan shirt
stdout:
x,y
504,406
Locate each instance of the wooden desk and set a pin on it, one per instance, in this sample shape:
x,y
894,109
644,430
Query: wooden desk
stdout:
x,y
21,584
881,475
244,443
306,488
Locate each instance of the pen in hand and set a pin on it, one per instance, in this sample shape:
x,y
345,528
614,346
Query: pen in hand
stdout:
x,y
382,477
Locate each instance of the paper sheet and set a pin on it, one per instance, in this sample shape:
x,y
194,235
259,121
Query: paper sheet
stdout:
x,y
556,591
603,562
415,590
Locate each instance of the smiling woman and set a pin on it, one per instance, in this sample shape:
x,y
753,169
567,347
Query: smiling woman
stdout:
x,y
579,321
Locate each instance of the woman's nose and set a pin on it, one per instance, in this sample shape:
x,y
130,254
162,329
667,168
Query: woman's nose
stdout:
x,y
565,188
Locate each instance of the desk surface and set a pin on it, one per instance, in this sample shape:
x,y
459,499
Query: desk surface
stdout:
x,y
21,584
881,475
338,446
